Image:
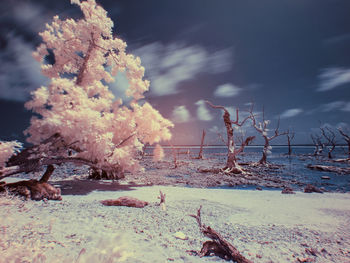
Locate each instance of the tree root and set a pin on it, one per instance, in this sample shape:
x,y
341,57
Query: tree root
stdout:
x,y
34,189
218,246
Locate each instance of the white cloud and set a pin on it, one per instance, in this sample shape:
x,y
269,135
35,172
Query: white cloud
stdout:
x,y
290,113
19,72
227,90
203,113
346,106
332,106
32,15
335,105
180,114
168,65
331,78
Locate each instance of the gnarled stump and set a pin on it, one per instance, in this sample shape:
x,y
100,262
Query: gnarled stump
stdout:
x,y
33,189
100,174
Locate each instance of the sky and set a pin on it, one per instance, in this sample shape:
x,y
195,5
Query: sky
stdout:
x,y
289,58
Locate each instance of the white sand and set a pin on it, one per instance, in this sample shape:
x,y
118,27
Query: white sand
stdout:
x,y
265,226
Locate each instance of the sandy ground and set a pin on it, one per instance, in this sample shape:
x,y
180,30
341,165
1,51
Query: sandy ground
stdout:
x,y
265,226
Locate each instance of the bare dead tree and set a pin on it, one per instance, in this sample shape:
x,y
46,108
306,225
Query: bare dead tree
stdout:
x,y
290,136
218,246
319,145
174,152
200,154
329,135
346,137
231,163
262,128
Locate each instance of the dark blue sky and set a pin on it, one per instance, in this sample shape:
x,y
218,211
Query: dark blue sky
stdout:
x,y
290,57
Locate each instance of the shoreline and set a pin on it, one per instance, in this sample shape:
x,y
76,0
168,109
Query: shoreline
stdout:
x,y
265,226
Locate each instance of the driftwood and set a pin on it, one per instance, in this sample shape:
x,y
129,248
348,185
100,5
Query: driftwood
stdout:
x,y
218,246
125,201
312,189
34,189
326,168
162,200
287,190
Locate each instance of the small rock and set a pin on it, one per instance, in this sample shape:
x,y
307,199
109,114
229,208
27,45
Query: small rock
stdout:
x,y
180,235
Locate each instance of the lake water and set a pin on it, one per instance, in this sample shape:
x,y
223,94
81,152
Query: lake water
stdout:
x,y
294,166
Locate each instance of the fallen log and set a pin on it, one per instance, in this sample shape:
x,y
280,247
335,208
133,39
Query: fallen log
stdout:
x,y
125,201
312,189
326,168
218,246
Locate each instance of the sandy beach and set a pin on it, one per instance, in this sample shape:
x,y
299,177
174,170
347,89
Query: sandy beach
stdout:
x,y
265,226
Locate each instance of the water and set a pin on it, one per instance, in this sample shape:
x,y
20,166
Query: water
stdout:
x,y
294,167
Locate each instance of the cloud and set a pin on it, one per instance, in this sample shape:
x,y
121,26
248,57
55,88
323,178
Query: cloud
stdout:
x,y
19,72
335,105
290,113
332,78
346,107
168,65
227,90
180,114
337,39
203,113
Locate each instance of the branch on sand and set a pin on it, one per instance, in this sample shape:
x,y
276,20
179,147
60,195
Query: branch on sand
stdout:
x,y
218,246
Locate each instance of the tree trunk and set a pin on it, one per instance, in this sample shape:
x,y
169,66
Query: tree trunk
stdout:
x,y
231,156
263,159
49,170
101,174
84,65
330,152
200,155
289,147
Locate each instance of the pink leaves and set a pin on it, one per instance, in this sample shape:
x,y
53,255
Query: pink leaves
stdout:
x,y
79,105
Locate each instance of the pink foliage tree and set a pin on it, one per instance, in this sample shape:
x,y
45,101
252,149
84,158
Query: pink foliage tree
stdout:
x,y
8,149
77,118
